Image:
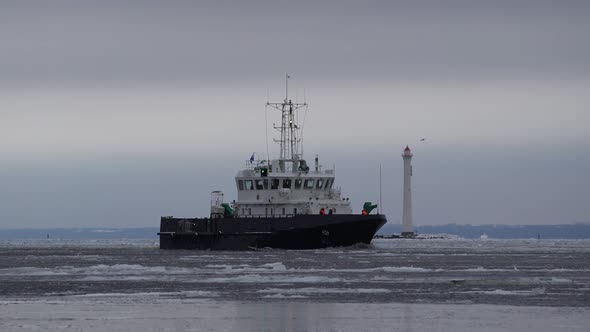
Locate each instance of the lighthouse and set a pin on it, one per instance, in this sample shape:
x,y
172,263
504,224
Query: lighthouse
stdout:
x,y
407,226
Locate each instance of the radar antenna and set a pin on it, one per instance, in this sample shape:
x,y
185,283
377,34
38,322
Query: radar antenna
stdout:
x,y
288,141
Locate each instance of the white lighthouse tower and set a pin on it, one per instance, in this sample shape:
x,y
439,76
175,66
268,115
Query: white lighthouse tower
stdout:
x,y
407,226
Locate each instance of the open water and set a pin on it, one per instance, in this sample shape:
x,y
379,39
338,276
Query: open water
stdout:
x,y
394,284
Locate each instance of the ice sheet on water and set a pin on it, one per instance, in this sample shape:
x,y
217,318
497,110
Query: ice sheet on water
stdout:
x,y
534,291
258,278
268,267
388,269
483,269
283,296
381,278
220,266
244,257
406,269
130,269
118,278
517,269
275,266
426,270
550,280
143,272
175,294
93,270
280,267
31,271
323,290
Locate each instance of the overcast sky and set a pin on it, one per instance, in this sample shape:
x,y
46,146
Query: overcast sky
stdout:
x,y
113,113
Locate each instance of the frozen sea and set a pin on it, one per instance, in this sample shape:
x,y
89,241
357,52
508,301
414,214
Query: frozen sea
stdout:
x,y
391,285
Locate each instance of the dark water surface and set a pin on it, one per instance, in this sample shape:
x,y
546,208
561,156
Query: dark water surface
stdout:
x,y
501,272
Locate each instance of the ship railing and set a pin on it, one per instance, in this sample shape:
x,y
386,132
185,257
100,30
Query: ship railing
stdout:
x,y
253,164
259,216
257,164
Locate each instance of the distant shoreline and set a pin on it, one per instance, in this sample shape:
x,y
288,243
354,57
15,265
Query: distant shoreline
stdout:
x,y
564,231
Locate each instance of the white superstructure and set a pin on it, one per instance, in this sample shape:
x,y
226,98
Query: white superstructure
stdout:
x,y
407,226
287,186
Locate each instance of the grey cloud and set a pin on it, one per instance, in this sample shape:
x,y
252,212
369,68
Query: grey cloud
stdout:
x,y
155,41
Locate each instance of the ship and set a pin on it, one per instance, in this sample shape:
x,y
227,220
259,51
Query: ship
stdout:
x,y
281,203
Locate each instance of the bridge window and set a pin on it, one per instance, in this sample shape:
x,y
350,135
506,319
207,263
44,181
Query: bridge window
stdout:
x,y
320,183
298,183
329,183
283,210
249,184
274,184
240,185
265,182
309,184
259,185
287,183
294,210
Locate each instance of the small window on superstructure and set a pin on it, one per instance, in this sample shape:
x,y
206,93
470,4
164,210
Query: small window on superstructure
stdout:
x,y
250,211
320,183
298,183
259,185
309,184
265,182
287,184
283,211
294,210
249,184
240,185
274,184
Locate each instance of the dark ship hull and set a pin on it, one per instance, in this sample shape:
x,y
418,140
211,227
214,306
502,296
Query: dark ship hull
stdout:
x,y
296,232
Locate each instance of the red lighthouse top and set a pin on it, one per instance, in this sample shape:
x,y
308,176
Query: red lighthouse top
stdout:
x,y
407,152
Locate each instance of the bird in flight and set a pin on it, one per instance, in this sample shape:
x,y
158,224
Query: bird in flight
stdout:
x,y
422,139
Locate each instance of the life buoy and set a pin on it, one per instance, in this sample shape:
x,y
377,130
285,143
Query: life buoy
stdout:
x,y
322,211
365,212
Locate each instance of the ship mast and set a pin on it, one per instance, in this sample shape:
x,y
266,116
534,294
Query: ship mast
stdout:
x,y
288,140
